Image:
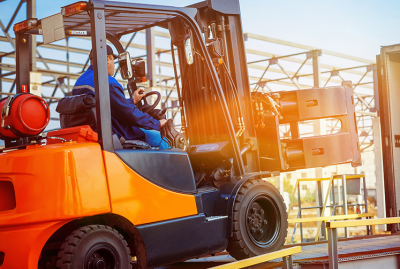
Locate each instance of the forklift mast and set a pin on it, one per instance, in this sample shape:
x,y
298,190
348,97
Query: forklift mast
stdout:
x,y
220,25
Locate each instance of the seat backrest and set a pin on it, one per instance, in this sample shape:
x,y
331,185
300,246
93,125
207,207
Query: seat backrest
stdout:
x,y
77,110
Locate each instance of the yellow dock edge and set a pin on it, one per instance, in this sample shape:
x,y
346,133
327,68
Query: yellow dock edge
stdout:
x,y
260,259
354,223
337,217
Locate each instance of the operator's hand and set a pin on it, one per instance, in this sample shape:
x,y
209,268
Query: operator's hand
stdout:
x,y
138,96
162,122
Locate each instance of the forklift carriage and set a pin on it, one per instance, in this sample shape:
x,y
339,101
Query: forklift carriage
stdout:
x,y
96,204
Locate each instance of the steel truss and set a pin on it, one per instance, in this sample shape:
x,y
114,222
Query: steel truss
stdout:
x,y
268,71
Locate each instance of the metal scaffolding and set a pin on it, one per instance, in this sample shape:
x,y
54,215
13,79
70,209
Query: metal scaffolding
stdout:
x,y
296,67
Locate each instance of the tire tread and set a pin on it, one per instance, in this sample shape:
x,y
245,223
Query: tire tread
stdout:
x,y
236,246
70,246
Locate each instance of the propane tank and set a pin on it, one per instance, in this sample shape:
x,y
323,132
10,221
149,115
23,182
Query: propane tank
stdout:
x,y
23,115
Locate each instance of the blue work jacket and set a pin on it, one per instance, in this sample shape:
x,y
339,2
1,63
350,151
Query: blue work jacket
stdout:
x,y
126,118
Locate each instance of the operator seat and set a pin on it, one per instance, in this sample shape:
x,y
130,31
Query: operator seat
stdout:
x,y
78,110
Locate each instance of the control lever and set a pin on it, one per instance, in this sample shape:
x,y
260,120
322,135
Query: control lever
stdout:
x,y
174,138
159,114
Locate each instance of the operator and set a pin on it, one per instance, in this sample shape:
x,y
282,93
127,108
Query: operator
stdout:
x,y
127,120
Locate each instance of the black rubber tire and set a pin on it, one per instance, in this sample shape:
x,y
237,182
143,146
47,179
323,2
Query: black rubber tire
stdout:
x,y
80,248
244,243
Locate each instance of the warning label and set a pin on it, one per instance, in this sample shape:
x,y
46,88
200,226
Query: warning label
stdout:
x,y
78,32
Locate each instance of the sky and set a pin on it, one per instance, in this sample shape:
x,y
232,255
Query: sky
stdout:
x,y
354,27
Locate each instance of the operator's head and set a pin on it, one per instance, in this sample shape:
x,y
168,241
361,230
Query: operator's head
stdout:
x,y
110,60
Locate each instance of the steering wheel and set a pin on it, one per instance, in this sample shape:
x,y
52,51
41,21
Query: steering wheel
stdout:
x,y
148,108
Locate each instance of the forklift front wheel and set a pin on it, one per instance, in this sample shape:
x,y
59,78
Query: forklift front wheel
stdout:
x,y
259,220
93,247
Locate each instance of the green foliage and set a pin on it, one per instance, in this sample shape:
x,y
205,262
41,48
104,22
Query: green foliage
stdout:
x,y
287,186
272,180
309,197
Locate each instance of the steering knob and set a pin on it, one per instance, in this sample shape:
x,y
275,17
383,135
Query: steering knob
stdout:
x,y
148,108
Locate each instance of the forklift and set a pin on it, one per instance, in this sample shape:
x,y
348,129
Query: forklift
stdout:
x,y
88,200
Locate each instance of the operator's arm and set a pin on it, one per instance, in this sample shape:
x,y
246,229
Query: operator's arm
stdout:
x,y
126,112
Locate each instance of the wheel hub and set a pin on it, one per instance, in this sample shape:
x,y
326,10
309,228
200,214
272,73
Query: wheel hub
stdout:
x,y
102,256
98,263
257,220
263,220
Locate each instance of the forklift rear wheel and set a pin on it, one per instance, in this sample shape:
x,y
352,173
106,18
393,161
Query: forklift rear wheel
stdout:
x,y
94,247
259,220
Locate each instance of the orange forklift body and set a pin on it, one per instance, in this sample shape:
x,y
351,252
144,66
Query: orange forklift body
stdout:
x,y
76,179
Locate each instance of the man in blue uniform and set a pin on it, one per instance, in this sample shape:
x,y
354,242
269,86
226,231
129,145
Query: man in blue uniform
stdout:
x,y
127,120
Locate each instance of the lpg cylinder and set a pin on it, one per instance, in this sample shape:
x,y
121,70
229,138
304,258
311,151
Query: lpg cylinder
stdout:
x,y
27,115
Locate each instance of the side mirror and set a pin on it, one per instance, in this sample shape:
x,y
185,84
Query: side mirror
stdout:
x,y
125,65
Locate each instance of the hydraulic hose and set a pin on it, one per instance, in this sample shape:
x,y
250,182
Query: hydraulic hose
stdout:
x,y
235,91
177,87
